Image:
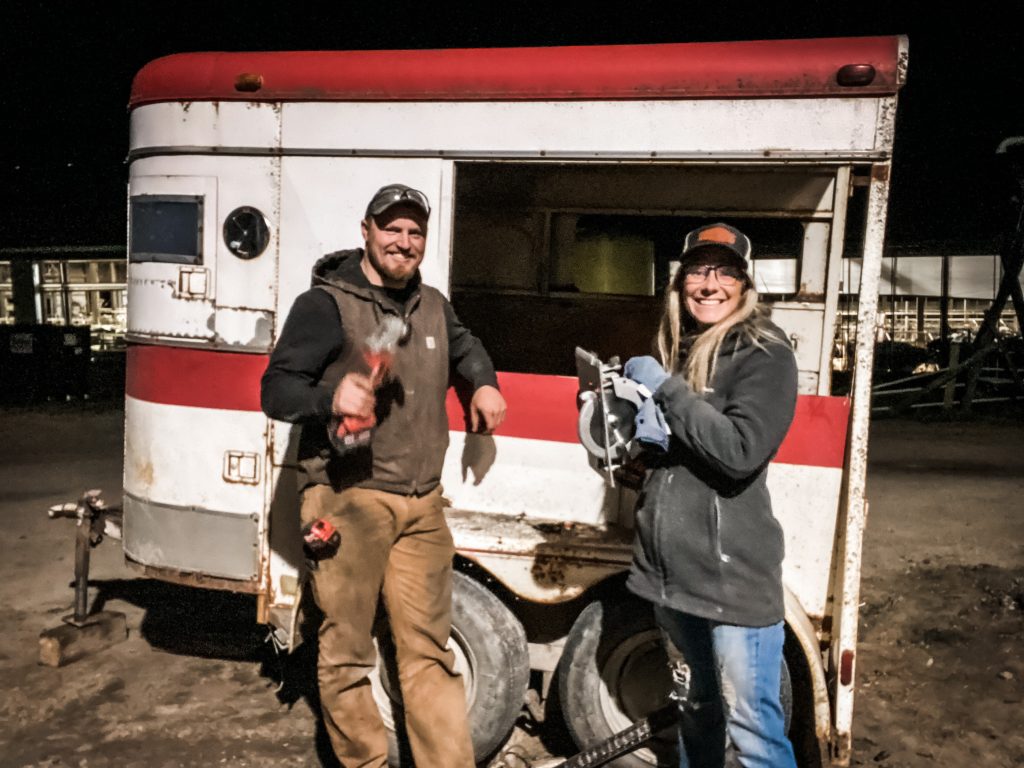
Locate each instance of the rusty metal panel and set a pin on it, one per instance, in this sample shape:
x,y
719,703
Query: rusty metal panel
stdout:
x,y
244,330
849,545
807,638
542,561
158,306
190,539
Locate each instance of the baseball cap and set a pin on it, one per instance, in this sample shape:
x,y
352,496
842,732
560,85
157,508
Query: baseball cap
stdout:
x,y
720,236
393,194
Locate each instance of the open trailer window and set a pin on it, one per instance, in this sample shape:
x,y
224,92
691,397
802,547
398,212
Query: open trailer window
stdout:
x,y
635,255
497,249
603,255
547,257
166,229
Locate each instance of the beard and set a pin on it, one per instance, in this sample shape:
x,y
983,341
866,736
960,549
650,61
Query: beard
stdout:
x,y
392,269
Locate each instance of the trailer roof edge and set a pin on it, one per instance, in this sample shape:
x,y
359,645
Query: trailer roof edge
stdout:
x,y
823,67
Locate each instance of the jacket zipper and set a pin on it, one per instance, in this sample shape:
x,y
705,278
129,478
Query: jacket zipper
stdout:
x,y
657,537
718,531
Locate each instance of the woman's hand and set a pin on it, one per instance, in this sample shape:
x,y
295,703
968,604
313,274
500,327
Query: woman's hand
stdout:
x,y
632,473
645,370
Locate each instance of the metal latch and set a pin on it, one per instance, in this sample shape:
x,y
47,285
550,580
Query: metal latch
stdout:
x,y
192,282
241,467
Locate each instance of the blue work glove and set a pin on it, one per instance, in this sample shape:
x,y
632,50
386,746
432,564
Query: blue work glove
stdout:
x,y
645,370
651,429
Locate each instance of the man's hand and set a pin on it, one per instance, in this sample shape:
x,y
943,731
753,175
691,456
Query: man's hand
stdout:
x,y
354,397
486,410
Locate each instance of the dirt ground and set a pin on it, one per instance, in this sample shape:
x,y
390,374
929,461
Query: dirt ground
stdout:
x,y
940,676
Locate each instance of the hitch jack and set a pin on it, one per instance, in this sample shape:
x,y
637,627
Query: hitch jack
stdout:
x,y
82,632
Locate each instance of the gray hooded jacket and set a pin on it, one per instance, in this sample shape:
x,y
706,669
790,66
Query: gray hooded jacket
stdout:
x,y
707,542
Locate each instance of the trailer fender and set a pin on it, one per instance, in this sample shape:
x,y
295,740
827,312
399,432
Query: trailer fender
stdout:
x,y
802,631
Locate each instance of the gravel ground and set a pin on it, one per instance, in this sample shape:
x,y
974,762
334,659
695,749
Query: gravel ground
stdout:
x,y
940,662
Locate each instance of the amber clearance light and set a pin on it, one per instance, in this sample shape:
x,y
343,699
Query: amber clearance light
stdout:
x,y
248,82
853,75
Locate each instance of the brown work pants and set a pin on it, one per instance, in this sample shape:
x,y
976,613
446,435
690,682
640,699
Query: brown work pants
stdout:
x,y
398,547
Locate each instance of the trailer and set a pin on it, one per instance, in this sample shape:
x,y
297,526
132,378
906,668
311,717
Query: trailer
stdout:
x,y
563,180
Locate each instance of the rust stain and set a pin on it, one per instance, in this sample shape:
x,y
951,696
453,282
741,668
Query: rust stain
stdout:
x,y
145,473
811,298
880,172
549,571
196,579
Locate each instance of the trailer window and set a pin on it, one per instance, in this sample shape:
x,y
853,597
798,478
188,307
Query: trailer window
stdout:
x,y
601,254
549,257
166,228
497,249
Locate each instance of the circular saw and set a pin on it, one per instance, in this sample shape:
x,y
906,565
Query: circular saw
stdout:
x,y
609,403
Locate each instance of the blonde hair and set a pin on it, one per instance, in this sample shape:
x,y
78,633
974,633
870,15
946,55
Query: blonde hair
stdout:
x,y
698,366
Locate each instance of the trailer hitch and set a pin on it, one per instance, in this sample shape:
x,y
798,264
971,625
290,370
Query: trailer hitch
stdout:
x,y
83,632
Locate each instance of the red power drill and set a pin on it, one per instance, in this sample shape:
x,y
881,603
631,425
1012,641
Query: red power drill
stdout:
x,y
350,431
320,540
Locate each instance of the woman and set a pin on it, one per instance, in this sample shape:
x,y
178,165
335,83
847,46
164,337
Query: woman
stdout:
x,y
708,550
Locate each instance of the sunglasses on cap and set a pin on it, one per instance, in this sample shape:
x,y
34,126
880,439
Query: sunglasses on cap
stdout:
x,y
394,194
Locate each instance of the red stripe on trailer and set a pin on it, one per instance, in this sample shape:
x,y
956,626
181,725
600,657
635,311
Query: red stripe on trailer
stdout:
x,y
540,407
817,437
544,408
199,378
753,69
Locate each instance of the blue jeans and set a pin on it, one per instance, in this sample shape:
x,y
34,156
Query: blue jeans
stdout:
x,y
733,689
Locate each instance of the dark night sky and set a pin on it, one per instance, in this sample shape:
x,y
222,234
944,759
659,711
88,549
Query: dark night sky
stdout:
x,y
68,69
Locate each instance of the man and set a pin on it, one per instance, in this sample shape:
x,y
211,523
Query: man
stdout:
x,y
383,495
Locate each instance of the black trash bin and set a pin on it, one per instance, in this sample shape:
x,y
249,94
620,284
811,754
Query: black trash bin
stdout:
x,y
69,362
25,352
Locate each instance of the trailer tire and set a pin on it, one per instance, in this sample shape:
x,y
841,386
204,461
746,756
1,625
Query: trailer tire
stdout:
x,y
614,671
492,655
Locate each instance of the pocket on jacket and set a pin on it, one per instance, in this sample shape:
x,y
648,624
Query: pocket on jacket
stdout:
x,y
748,531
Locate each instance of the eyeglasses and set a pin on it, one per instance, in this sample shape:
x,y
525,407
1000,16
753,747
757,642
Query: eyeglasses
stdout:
x,y
389,196
727,274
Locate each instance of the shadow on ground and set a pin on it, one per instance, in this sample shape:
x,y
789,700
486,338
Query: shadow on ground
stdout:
x,y
214,624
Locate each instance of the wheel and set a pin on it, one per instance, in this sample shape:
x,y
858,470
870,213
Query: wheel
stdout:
x,y
614,670
492,656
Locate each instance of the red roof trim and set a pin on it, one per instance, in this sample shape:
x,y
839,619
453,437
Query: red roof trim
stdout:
x,y
758,69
